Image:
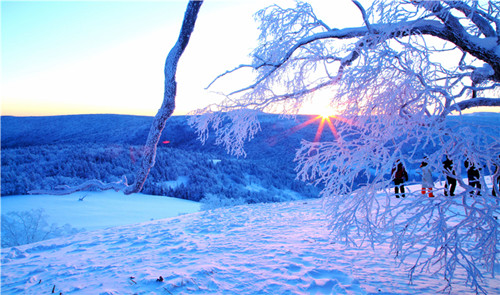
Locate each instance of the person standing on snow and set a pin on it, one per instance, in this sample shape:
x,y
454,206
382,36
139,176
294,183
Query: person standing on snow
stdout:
x,y
473,176
427,181
496,178
399,175
451,181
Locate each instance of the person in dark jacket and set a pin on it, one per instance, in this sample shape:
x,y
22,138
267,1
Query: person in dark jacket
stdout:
x,y
496,179
473,176
399,175
451,181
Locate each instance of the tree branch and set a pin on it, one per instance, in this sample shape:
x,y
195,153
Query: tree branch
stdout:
x,y
159,121
386,31
363,13
168,104
475,16
475,102
454,32
451,31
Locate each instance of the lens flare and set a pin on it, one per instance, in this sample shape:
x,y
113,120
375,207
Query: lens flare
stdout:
x,y
323,119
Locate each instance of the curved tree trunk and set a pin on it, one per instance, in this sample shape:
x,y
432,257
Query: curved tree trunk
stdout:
x,y
165,111
168,105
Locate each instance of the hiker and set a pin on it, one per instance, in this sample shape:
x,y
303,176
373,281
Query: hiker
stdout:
x,y
427,181
496,179
399,175
473,176
451,181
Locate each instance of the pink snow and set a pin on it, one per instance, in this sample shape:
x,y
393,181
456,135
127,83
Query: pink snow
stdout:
x,y
278,248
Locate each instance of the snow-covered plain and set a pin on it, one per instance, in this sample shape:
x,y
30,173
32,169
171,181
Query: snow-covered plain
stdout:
x,y
99,210
275,248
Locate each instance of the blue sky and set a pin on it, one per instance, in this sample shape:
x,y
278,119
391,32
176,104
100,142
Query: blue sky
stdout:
x,y
87,57
42,34
79,57
93,57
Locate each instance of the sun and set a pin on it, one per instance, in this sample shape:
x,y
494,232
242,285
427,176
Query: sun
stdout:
x,y
325,113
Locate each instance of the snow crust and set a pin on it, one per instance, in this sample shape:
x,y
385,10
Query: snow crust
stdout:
x,y
275,248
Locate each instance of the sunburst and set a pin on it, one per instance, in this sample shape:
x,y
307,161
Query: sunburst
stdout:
x,y
323,119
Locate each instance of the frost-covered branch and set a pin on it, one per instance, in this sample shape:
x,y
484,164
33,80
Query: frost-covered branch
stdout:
x,y
479,18
365,16
476,102
393,82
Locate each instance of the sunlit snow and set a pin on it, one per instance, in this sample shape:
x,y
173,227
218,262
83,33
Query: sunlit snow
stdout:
x,y
274,248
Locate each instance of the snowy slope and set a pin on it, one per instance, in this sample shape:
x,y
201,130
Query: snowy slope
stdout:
x,y
278,248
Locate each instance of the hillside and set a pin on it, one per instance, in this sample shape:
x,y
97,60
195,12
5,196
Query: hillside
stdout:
x,y
43,152
277,136
279,248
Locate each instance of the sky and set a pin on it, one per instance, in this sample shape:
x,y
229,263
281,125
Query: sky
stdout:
x,y
86,57
69,57
89,57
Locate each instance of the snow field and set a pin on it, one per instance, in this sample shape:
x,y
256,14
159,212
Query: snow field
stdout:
x,y
276,248
99,210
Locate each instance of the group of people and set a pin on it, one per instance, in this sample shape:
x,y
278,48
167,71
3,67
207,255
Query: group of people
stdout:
x,y
399,176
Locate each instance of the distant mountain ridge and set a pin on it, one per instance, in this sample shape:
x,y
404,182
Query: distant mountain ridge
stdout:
x,y
42,152
129,129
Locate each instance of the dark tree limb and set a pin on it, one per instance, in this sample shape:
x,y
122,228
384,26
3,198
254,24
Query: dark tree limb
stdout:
x,y
168,105
476,17
474,102
159,121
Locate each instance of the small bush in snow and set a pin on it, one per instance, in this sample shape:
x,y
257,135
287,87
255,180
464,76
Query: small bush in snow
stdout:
x,y
25,227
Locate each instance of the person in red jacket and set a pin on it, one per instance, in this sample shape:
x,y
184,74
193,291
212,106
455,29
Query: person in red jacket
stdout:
x,y
399,175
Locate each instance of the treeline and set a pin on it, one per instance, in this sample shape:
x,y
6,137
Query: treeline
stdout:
x,y
43,152
177,172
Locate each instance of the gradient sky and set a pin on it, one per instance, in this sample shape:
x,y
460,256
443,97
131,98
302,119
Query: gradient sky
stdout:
x,y
69,57
89,57
81,57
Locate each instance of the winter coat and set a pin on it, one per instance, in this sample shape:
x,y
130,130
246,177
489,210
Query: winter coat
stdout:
x,y
399,172
472,171
427,180
448,167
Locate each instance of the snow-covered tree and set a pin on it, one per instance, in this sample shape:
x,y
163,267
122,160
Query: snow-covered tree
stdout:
x,y
159,121
26,227
394,82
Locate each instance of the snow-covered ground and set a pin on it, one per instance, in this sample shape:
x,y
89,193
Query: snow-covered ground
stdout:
x,y
277,248
99,210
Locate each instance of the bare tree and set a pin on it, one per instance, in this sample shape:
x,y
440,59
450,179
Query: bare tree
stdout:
x,y
394,82
159,121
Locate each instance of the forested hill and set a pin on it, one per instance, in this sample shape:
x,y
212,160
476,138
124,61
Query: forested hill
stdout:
x,y
73,129
42,152
279,137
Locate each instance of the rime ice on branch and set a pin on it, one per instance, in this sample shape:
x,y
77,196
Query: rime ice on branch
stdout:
x,y
394,81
